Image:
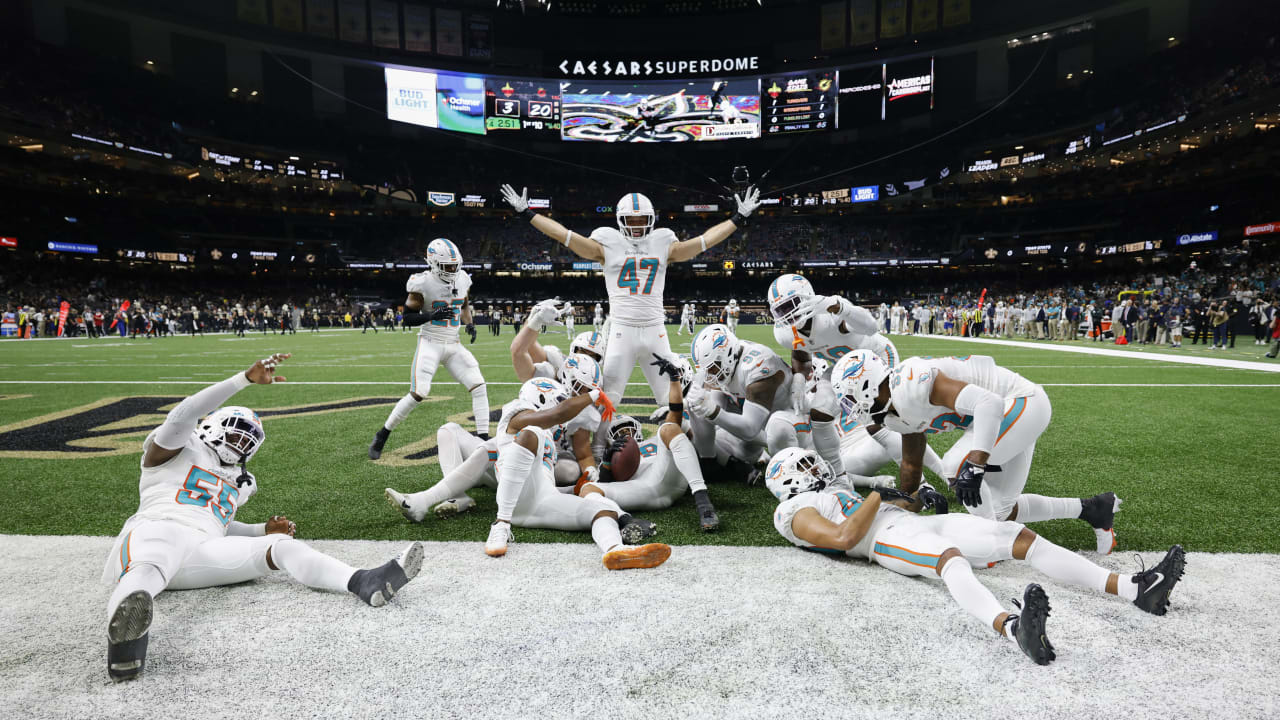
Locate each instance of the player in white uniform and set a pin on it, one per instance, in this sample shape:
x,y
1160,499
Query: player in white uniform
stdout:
x,y
731,315
827,327
185,535
566,316
818,514
635,256
597,321
438,301
1001,413
686,319
527,495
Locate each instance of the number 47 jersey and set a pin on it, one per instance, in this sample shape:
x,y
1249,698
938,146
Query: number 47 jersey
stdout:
x,y
635,274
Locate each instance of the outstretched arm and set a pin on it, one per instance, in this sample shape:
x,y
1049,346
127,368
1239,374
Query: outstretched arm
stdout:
x,y
582,246
688,249
811,527
172,435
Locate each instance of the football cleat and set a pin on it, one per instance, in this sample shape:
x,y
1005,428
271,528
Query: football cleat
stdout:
x,y
634,530
127,636
375,447
643,556
1028,627
378,585
401,503
1100,511
1154,585
454,506
499,535
708,521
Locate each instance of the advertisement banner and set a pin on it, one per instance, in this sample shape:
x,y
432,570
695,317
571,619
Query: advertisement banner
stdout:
x,y
833,25
701,208
287,14
654,68
449,32
9,242
417,28
924,16
440,199
63,310
320,19
73,247
385,16
353,22
862,22
893,18
460,103
411,97
866,193
1200,237
1249,231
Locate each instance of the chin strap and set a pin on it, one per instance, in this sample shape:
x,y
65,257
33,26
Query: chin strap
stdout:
x,y
244,478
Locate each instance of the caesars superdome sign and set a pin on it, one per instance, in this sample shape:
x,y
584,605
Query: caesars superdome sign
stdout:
x,y
641,68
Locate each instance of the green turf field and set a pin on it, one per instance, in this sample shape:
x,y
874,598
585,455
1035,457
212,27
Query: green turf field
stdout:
x,y
1192,461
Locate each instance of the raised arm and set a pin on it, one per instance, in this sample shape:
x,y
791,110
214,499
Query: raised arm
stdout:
x,y
525,350
809,525
688,249
582,246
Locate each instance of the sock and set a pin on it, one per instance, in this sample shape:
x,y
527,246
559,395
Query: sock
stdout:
x,y
1126,587
972,596
827,442
140,577
456,482
513,470
401,411
480,408
604,530
686,460
1033,508
1062,564
311,567
450,454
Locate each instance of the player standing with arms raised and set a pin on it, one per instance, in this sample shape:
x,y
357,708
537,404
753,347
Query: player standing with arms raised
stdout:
x,y
438,301
635,257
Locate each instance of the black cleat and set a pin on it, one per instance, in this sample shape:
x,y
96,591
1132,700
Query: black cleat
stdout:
x,y
1100,510
378,585
1154,585
635,530
127,637
1028,628
375,447
708,521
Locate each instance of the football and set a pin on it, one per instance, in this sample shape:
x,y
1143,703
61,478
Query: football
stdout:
x,y
626,461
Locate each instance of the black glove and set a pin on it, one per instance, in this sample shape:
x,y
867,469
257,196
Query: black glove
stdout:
x,y
444,312
932,499
614,447
471,330
968,483
666,367
888,493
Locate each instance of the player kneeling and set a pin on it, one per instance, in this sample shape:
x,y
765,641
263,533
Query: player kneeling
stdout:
x,y
816,513
185,536
528,433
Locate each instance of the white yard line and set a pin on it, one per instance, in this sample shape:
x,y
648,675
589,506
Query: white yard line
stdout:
x,y
1220,362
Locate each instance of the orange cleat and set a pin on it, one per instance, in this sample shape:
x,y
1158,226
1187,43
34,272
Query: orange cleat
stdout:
x,y
637,556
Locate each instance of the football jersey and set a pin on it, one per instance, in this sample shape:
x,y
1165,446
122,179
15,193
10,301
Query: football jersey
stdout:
x,y
436,294
193,488
731,311
517,406
635,274
757,363
835,503
911,383
826,340
549,368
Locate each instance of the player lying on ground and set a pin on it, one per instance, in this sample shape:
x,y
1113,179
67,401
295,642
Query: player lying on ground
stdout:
x,y
1002,415
527,495
817,513
438,301
185,535
668,466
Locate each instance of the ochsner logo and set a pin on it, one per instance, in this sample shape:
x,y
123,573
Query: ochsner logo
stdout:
x,y
535,266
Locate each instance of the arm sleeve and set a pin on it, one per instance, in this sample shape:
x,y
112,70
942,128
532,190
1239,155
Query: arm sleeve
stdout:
x,y
857,318
987,410
746,425
245,529
181,421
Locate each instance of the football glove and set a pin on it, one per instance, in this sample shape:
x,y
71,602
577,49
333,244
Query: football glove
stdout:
x,y
747,203
519,202
545,313
968,483
932,499
471,330
666,367
888,493
702,405
444,312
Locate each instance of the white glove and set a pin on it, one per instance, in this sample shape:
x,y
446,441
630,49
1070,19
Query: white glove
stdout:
x,y
885,481
591,474
817,304
545,313
659,415
800,394
703,405
748,201
518,202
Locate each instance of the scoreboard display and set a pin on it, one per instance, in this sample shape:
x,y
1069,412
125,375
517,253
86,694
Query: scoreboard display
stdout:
x,y
799,102
512,104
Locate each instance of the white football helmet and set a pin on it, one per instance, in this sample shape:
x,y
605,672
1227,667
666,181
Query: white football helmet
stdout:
x,y
543,393
580,374
233,432
787,296
590,343
625,424
444,258
716,352
796,470
635,205
856,378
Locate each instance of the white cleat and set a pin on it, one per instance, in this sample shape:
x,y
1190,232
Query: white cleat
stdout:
x,y
499,535
405,505
454,506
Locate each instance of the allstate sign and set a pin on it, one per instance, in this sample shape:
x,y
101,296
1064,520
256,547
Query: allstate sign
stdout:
x,y
1192,238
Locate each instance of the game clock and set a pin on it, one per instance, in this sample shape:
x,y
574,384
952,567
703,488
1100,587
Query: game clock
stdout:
x,y
521,105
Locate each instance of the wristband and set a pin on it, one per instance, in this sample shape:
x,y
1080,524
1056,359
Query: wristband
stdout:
x,y
677,408
738,219
527,214
567,234
703,238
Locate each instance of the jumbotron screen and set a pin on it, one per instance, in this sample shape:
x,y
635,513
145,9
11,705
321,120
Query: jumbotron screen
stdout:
x,y
908,87
674,111
528,105
800,102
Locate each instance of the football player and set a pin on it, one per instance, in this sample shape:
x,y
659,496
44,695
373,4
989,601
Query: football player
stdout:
x,y
566,315
597,321
729,316
528,433
185,535
686,319
817,513
438,301
1001,413
668,464
635,256
827,327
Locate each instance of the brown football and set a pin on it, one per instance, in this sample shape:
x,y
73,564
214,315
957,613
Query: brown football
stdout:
x,y
626,461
